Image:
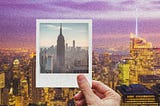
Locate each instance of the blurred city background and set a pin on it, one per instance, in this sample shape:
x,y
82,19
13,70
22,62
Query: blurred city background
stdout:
x,y
126,49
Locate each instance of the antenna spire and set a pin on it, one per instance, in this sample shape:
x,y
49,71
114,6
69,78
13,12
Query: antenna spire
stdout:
x,y
60,28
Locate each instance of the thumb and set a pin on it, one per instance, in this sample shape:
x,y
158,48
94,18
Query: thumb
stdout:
x,y
86,89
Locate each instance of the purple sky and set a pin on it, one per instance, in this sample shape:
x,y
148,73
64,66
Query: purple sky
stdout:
x,y
113,20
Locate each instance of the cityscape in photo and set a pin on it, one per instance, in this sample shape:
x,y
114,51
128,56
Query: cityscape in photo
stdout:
x,y
62,57
125,54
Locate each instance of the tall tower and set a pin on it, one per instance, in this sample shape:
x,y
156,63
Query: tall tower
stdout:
x,y
140,64
73,43
60,50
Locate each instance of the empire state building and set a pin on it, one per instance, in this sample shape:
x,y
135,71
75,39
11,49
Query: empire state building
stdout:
x,y
60,50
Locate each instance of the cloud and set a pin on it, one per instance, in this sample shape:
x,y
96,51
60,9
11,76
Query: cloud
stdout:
x,y
155,2
53,27
94,9
87,6
90,5
128,2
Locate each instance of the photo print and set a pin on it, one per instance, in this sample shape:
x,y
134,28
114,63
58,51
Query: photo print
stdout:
x,y
64,48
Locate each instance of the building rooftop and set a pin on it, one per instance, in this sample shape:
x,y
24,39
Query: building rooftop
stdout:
x,y
156,88
149,78
134,89
137,95
156,67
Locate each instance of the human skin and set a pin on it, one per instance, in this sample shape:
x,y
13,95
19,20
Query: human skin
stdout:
x,y
99,95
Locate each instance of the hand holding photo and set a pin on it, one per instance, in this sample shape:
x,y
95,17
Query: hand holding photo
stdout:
x,y
63,51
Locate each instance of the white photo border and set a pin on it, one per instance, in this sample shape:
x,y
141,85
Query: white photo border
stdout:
x,y
65,80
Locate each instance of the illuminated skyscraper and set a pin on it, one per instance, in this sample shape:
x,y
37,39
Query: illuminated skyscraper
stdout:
x,y
123,68
34,93
141,58
60,50
144,60
16,77
138,42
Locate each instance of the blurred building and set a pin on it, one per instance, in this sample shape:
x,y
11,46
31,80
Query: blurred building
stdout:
x,y
149,80
95,59
156,90
16,77
34,93
136,95
123,69
141,53
43,60
74,45
5,82
156,58
49,64
11,101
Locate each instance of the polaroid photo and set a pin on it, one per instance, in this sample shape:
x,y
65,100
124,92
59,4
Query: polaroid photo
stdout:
x,y
63,51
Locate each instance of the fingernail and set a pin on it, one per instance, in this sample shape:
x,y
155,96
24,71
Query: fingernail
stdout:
x,y
75,95
81,78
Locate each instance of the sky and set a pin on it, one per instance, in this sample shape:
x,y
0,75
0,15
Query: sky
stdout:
x,y
113,20
49,33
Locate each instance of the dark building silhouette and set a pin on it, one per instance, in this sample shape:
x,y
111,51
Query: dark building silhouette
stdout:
x,y
60,51
74,44
137,95
16,86
156,90
34,93
66,46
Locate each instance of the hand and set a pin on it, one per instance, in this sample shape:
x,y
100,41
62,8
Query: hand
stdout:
x,y
98,95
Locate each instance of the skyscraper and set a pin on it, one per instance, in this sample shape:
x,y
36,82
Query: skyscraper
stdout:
x,y
74,44
60,51
141,58
34,93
